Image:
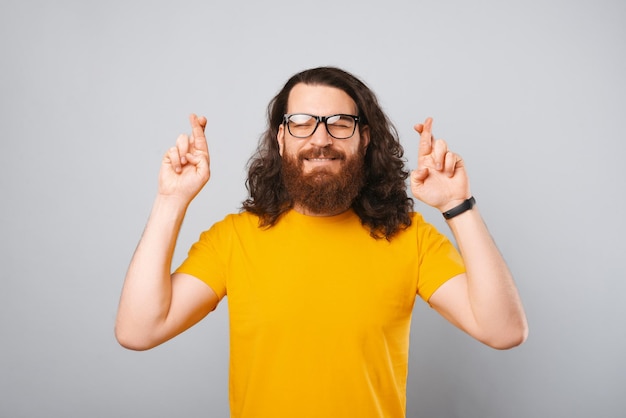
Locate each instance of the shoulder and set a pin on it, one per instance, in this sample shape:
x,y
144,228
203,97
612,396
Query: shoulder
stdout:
x,y
230,224
241,218
416,217
237,220
423,232
418,223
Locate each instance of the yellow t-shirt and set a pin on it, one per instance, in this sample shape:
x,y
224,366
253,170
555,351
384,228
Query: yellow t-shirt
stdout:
x,y
319,310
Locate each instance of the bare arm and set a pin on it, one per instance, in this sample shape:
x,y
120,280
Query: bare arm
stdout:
x,y
484,301
154,305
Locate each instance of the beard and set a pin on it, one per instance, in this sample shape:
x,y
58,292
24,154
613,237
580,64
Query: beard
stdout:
x,y
322,191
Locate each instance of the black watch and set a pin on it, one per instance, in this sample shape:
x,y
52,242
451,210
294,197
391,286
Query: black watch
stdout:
x,y
457,210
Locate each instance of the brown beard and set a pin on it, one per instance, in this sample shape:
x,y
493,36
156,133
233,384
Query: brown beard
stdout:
x,y
321,191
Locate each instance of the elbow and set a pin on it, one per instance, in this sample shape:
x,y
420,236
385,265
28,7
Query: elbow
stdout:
x,y
131,344
506,344
131,340
513,337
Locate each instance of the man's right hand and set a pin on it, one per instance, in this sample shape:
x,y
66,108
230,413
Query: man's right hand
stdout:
x,y
185,168
155,305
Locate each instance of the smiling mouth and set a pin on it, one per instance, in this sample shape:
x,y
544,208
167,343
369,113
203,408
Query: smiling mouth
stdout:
x,y
321,156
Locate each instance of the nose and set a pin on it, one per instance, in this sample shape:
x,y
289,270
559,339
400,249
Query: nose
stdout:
x,y
321,137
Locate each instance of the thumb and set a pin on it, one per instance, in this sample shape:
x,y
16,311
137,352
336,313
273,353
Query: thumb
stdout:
x,y
418,176
200,161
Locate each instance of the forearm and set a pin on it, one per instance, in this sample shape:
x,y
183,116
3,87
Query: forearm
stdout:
x,y
147,292
494,300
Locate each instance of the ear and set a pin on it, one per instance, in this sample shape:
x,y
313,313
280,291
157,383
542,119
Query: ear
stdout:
x,y
365,136
280,138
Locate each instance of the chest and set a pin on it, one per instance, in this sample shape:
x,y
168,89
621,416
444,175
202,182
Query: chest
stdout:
x,y
321,280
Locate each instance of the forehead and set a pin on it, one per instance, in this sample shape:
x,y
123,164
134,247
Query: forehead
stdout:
x,y
319,100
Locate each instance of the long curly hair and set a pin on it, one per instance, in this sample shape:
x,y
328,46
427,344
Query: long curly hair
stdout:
x,y
382,204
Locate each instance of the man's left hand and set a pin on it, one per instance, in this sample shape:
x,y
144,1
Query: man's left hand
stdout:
x,y
440,180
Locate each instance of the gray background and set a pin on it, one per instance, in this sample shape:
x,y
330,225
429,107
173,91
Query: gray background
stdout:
x,y
532,94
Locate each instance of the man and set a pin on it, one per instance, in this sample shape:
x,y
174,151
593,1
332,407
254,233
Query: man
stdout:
x,y
323,265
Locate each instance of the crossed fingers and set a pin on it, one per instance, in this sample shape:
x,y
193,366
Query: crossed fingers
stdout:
x,y
434,153
188,145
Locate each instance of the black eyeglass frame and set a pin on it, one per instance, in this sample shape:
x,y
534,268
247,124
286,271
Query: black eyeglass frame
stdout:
x,y
321,119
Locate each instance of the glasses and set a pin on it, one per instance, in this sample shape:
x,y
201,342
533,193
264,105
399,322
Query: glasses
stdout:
x,y
303,125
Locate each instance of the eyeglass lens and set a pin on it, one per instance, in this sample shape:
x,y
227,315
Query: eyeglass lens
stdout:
x,y
338,126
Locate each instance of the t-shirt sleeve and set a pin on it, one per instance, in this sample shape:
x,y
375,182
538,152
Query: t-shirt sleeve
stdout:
x,y
439,260
206,260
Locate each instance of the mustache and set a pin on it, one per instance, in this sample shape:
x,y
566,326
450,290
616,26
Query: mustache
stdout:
x,y
322,153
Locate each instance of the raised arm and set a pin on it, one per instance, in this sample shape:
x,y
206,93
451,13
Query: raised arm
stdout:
x,y
154,305
484,301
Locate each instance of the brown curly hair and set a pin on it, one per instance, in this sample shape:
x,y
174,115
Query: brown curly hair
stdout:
x,y
382,205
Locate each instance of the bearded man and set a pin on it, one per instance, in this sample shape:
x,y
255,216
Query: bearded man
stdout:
x,y
323,264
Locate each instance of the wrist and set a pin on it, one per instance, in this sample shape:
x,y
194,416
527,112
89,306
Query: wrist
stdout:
x,y
170,203
460,208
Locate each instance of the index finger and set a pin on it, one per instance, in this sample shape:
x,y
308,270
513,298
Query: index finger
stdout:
x,y
426,137
197,128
